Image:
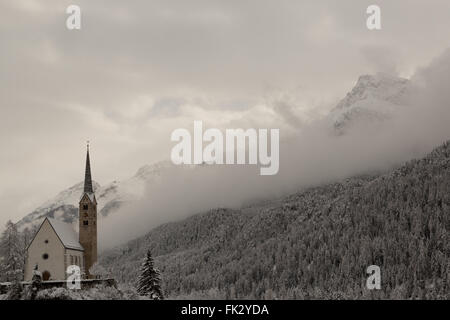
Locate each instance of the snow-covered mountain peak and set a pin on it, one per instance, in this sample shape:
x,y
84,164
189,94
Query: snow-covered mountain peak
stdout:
x,y
373,98
381,86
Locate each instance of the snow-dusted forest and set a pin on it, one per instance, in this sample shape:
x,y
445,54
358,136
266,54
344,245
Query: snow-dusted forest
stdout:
x,y
313,244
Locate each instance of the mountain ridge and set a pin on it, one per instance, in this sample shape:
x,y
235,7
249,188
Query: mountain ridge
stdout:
x,y
111,197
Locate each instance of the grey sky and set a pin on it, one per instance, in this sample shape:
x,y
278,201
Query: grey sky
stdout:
x,y
139,69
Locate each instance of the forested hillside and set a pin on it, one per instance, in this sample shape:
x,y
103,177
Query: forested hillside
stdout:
x,y
314,244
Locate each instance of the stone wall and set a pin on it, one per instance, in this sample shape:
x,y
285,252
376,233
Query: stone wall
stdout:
x,y
85,284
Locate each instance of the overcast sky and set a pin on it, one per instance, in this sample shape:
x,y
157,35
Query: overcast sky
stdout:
x,y
137,70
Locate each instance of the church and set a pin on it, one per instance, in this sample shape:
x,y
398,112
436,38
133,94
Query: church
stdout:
x,y
56,244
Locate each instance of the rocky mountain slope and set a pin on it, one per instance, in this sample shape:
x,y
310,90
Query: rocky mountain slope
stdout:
x,y
313,244
110,197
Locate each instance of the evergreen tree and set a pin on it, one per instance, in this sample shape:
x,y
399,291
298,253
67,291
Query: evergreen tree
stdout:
x,y
25,238
149,283
11,266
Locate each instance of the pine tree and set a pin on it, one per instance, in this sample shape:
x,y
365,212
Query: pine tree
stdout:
x,y
149,283
25,238
11,266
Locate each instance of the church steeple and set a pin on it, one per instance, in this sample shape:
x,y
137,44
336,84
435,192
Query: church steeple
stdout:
x,y
87,175
88,220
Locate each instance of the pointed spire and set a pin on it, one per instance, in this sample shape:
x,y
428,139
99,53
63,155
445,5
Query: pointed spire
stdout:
x,y
87,176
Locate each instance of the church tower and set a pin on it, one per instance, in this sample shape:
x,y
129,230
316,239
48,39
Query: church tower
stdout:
x,y
88,220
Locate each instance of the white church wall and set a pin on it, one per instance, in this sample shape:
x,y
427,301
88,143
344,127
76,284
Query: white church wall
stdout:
x,y
47,252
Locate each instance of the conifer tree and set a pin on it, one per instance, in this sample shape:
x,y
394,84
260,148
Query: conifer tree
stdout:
x,y
11,266
149,283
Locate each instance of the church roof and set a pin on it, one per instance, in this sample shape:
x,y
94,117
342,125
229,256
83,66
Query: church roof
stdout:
x,y
66,234
87,175
91,197
88,187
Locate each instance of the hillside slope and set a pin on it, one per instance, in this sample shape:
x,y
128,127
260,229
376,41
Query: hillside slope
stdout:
x,y
314,244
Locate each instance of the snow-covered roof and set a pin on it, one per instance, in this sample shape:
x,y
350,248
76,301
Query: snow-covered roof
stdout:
x,y
66,234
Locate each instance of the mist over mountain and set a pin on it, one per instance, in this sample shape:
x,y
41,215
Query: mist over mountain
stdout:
x,y
110,197
382,122
414,117
374,98
312,244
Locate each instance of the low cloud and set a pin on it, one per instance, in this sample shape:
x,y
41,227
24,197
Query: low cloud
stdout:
x,y
311,156
139,69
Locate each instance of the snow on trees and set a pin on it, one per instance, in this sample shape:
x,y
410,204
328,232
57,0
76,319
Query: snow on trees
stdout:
x,y
149,283
11,254
99,271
